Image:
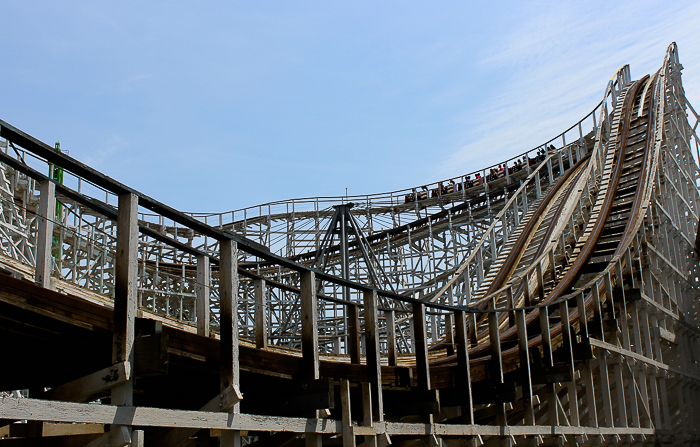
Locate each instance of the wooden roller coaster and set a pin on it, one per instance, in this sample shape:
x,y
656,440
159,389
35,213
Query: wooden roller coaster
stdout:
x,y
569,314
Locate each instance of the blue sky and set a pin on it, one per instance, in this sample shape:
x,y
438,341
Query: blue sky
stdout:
x,y
231,104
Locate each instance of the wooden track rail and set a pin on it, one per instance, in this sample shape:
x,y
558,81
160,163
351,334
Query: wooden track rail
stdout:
x,y
569,316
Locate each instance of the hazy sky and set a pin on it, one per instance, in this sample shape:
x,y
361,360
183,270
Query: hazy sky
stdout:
x,y
214,106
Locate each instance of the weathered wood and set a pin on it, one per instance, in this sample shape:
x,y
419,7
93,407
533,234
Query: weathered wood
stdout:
x,y
81,390
526,378
35,409
548,362
421,341
202,290
228,298
373,355
44,236
605,387
496,367
125,308
449,335
390,337
346,421
367,413
473,329
464,380
53,430
353,333
309,326
260,313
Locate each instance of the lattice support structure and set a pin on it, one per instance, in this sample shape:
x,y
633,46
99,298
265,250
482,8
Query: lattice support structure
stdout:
x,y
549,301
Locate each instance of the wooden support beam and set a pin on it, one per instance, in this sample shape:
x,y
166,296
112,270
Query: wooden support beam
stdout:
x,y
260,313
367,413
585,370
125,307
44,236
138,438
605,387
449,334
473,329
390,336
353,333
568,349
373,355
347,428
620,393
81,390
421,342
548,361
309,327
202,290
464,380
526,379
496,370
228,318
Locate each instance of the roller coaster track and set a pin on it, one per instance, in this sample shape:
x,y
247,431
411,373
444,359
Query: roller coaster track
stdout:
x,y
555,302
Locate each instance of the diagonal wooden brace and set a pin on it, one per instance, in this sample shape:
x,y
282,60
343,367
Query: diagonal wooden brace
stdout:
x,y
81,390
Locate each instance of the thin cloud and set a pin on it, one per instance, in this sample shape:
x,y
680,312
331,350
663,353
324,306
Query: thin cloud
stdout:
x,y
560,62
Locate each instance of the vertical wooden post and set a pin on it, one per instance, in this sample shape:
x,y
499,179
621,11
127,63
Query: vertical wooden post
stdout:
x,y
496,370
568,347
540,280
391,336
353,333
526,379
202,289
348,432
44,237
367,412
473,329
526,290
228,297
449,334
260,313
309,326
137,438
605,387
374,368
464,380
620,392
597,320
510,305
586,372
548,361
421,342
125,294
